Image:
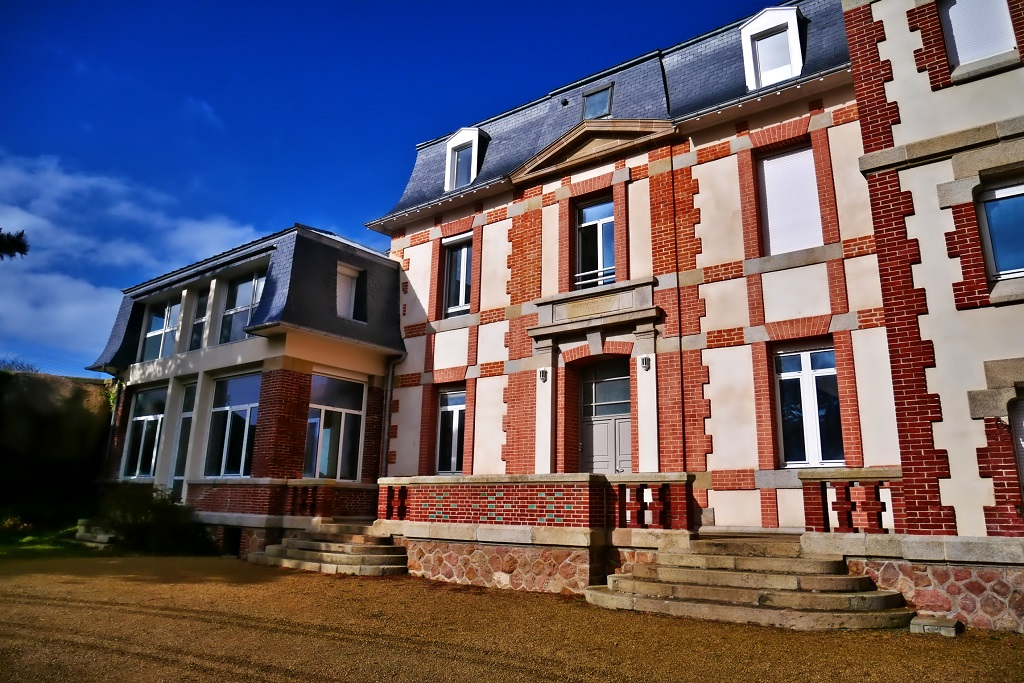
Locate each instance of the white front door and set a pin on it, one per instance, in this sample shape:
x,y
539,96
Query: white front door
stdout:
x,y
605,422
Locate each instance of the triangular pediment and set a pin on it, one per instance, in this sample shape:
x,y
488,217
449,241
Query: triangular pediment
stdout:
x,y
592,141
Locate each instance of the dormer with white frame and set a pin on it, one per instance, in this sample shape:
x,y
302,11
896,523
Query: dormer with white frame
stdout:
x,y
463,154
771,47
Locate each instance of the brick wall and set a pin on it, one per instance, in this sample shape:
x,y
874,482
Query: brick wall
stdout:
x,y
281,424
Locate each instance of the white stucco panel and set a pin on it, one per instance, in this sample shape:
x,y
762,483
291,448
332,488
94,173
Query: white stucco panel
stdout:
x,y
491,342
451,349
490,412
796,293
407,444
725,304
415,349
852,199
420,283
721,223
733,421
494,265
875,398
593,173
549,250
791,508
863,286
640,260
736,508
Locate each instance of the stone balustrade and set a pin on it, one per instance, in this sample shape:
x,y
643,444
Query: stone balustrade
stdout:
x,y
858,503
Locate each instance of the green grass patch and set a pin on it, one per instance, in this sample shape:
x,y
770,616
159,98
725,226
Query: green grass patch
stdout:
x,y
42,544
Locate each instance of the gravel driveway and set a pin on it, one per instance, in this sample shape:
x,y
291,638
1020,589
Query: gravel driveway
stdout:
x,y
220,619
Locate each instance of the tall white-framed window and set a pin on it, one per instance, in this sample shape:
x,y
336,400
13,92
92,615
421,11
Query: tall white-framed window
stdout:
x,y
188,405
232,436
598,103
243,297
345,294
595,244
788,194
1001,219
975,29
161,329
144,429
334,432
771,47
451,430
807,394
199,320
463,154
458,270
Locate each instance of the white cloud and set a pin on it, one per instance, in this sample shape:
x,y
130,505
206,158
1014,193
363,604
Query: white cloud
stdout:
x,y
200,110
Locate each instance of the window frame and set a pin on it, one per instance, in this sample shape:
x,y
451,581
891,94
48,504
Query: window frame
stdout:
x,y
764,24
258,280
251,417
183,441
807,376
609,88
807,241
136,421
949,37
456,457
318,446
162,352
462,244
344,271
602,275
200,316
990,192
459,141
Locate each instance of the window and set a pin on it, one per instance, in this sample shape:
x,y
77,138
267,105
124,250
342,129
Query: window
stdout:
x,y
463,154
605,389
188,404
808,404
242,299
1001,218
346,291
975,29
595,245
144,433
1016,415
161,326
771,47
233,426
790,213
334,430
458,267
451,428
199,320
597,104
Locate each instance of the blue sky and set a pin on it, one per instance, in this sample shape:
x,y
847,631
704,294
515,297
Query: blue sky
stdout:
x,y
137,137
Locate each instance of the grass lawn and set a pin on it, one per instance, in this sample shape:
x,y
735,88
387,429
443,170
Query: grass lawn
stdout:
x,y
43,544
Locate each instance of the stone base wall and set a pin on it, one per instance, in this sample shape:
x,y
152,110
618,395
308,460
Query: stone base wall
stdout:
x,y
978,596
252,539
545,569
621,560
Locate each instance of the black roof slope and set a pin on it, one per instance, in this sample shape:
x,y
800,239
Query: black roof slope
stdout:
x,y
674,83
299,291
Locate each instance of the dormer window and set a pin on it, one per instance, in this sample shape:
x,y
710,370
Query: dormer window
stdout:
x,y
597,104
346,291
464,154
771,47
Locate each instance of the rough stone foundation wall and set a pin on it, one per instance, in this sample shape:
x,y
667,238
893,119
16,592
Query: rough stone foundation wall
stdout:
x,y
980,597
529,568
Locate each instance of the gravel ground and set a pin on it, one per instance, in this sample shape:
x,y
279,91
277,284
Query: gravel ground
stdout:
x,y
219,619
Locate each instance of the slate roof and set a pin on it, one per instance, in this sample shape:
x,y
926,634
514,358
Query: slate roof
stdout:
x,y
672,84
299,292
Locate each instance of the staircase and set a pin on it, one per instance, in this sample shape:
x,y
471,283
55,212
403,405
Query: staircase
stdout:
x,y
337,549
93,536
754,580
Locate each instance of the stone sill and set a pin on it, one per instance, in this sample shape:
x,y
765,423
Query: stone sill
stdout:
x,y
256,521
984,67
851,474
577,294
913,548
1007,291
270,481
512,479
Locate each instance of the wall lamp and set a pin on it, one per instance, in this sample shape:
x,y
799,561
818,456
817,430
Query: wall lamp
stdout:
x,y
543,376
645,363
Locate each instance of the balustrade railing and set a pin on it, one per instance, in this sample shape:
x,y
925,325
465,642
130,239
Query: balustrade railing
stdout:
x,y
858,504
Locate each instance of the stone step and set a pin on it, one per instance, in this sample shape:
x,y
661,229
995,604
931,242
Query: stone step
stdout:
x,y
808,620
95,537
365,539
352,548
746,579
790,565
326,568
748,547
352,529
856,601
335,558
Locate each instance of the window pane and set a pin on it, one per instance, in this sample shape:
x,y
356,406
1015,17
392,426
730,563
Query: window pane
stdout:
x,y
829,426
608,252
350,448
330,443
188,402
336,393
612,409
183,433
239,293
151,348
131,461
597,104
173,313
823,360
197,336
444,441
466,274
460,434
215,444
232,326
791,405
595,212
457,279
312,432
237,391
177,489
168,348
156,318
236,442
150,402
147,457
612,390
586,250
453,398
1006,231
773,63
201,303
791,363
463,165
261,280
250,441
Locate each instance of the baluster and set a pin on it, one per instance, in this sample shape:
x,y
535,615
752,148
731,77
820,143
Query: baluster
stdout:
x,y
815,512
620,507
403,495
843,507
873,507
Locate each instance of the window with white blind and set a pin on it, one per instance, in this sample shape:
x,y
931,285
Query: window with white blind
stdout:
x,y
771,47
790,213
346,291
975,29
